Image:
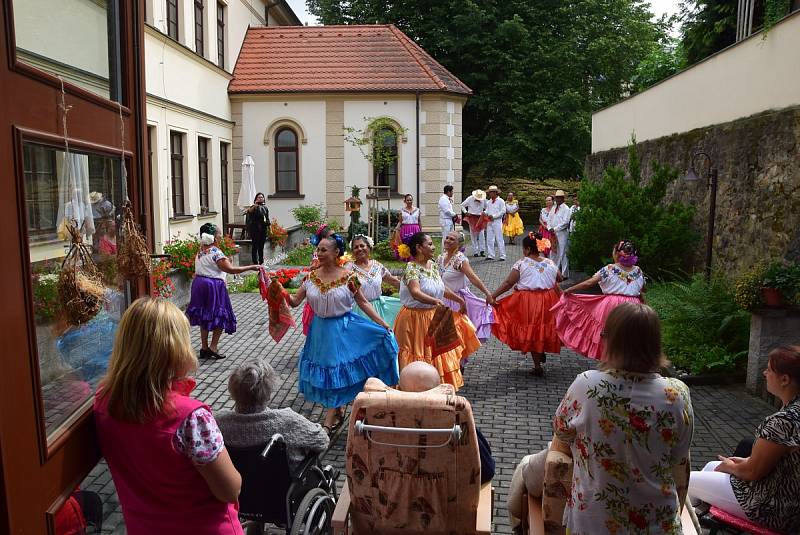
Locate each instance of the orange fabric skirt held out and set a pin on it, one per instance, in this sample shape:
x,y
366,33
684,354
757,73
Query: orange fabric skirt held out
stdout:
x,y
525,323
410,328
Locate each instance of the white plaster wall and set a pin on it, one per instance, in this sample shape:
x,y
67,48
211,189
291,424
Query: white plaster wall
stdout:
x,y
755,75
357,168
241,14
164,120
310,115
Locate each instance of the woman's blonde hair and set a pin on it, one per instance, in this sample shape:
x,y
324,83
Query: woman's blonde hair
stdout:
x,y
633,339
151,349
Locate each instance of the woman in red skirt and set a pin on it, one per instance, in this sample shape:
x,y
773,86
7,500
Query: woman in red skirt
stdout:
x,y
524,321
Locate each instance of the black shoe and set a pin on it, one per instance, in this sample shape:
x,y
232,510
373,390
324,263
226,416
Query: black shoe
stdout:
x,y
537,372
483,254
214,355
205,353
502,260
476,255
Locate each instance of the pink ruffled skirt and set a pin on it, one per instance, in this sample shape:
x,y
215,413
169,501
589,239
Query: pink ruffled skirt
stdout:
x,y
580,320
308,317
480,314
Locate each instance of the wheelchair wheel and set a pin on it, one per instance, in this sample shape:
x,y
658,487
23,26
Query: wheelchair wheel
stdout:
x,y
314,514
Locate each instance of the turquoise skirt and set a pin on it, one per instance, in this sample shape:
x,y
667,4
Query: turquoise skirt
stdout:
x,y
386,307
340,354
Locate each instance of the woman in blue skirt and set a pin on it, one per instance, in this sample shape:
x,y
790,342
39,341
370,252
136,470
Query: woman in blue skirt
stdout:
x,y
342,349
210,306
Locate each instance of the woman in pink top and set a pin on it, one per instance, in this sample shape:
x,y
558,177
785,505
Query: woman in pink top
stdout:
x,y
165,451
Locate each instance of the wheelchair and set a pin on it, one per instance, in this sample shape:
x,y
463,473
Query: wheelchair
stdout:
x,y
301,502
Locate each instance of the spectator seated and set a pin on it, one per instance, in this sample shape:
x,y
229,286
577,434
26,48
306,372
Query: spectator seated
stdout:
x,y
300,500
413,465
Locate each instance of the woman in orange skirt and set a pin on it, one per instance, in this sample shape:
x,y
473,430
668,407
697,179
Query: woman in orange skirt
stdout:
x,y
421,291
524,321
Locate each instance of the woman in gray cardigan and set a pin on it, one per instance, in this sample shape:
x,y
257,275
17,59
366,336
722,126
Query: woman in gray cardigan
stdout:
x,y
252,422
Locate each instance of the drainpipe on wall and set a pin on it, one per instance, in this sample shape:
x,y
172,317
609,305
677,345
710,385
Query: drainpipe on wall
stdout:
x,y
419,201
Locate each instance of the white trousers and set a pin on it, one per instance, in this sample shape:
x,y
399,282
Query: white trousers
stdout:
x,y
714,488
560,258
494,234
478,241
447,227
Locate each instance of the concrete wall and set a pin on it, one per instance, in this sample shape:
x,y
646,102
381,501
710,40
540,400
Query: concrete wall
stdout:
x,y
752,76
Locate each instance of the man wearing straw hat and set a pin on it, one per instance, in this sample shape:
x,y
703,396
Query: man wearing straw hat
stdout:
x,y
496,210
559,224
475,206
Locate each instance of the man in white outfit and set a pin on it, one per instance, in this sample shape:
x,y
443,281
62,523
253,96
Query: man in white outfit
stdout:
x,y
559,223
474,206
496,210
447,216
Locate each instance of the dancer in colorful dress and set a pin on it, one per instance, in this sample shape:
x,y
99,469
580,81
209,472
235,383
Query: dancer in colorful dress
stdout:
x,y
580,319
512,227
372,275
210,305
544,224
342,349
524,321
322,232
421,291
409,219
474,206
456,272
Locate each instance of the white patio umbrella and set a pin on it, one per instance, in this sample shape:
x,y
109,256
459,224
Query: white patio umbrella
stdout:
x,y
248,190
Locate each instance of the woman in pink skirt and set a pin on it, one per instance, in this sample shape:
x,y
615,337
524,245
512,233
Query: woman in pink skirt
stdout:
x,y
580,318
409,219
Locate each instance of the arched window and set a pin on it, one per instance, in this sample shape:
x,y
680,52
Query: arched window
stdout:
x,y
385,168
286,161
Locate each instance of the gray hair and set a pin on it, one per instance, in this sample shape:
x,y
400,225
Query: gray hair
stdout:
x,y
251,385
460,235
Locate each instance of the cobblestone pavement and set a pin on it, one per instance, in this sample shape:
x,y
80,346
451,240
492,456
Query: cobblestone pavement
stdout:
x,y
512,408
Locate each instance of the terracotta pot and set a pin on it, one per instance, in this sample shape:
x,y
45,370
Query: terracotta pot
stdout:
x,y
772,297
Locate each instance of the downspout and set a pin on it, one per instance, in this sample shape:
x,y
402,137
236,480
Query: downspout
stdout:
x,y
417,136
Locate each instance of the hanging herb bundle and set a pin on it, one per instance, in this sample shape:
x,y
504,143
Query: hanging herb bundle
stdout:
x,y
133,258
79,287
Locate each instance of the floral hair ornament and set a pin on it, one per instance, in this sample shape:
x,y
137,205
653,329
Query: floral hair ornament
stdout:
x,y
404,252
339,243
627,260
543,244
206,239
365,239
314,240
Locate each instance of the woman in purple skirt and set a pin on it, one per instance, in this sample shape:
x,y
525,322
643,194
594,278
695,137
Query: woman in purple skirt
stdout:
x,y
210,306
409,219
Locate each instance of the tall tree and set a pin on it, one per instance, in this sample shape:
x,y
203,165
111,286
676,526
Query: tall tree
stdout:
x,y
708,27
538,69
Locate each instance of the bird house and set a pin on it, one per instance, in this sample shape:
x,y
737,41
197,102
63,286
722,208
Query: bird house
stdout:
x,y
353,204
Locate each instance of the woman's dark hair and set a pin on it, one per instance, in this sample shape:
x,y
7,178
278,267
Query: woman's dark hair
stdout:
x,y
407,195
786,361
633,339
208,228
337,241
627,247
325,232
448,188
256,197
415,241
529,242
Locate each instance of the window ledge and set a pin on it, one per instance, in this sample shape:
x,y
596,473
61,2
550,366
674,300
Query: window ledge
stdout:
x,y
384,197
207,215
181,218
287,195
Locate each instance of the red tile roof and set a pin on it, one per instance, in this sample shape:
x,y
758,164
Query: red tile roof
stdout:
x,y
310,59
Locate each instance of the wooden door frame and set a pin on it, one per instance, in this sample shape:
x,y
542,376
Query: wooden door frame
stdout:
x,y
37,477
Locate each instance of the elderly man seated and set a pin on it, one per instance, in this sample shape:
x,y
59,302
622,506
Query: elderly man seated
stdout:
x,y
252,422
419,377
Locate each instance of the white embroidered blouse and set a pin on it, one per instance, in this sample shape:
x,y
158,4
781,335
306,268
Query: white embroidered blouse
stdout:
x,y
617,281
205,263
451,273
430,282
331,299
410,218
535,274
371,278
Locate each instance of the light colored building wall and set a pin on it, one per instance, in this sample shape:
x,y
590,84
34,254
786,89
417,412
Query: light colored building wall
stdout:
x,y
755,75
260,120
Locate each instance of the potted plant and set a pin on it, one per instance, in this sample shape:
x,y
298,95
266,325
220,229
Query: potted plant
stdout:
x,y
780,283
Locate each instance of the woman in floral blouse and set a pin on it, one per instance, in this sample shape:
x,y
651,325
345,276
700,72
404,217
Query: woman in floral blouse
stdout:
x,y
764,487
580,318
628,430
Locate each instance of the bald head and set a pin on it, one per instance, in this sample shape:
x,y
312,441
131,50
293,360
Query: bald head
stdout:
x,y
418,377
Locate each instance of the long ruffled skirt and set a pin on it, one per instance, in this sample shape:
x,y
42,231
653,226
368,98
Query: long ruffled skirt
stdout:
x,y
580,320
408,230
410,328
340,354
210,305
480,314
386,307
525,323
546,234
513,226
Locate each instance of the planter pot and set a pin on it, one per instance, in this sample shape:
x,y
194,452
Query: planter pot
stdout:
x,y
772,297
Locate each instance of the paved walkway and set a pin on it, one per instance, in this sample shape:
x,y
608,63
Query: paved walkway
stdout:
x,y
512,408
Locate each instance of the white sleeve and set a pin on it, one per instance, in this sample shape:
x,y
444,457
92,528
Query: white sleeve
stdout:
x,y
464,204
445,207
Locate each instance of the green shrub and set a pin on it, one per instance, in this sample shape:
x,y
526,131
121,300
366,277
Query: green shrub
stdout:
x,y
244,284
618,208
308,213
383,251
300,256
703,330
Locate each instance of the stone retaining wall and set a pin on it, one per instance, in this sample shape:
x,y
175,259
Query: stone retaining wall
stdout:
x,y
758,198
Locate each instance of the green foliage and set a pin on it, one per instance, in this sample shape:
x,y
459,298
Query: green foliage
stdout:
x,y
664,60
537,69
244,284
774,10
708,27
182,252
300,256
377,142
703,330
306,214
616,208
747,292
383,251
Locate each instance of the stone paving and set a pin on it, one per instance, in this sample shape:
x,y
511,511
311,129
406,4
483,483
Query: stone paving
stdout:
x,y
512,408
